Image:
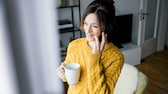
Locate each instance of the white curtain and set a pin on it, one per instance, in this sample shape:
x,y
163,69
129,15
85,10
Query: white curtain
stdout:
x,y
34,40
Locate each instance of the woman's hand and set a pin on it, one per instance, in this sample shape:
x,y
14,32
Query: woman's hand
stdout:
x,y
61,72
97,45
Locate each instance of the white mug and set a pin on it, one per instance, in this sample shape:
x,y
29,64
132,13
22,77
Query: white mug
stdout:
x,y
72,73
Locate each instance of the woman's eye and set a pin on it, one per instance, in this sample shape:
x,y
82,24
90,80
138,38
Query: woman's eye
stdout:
x,y
95,26
85,23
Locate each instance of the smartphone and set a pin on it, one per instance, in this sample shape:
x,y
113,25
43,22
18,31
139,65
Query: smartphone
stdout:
x,y
100,38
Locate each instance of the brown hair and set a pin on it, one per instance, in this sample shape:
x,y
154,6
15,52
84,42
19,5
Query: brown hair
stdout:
x,y
105,13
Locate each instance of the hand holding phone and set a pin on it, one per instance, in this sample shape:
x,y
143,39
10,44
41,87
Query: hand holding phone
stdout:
x,y
99,43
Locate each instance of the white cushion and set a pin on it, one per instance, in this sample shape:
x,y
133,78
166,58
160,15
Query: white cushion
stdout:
x,y
142,83
127,81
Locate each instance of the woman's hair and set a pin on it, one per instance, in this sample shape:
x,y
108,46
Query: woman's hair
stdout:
x,y
105,12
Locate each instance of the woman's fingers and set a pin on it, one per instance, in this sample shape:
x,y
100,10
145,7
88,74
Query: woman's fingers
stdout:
x,y
97,43
104,38
60,71
94,47
62,65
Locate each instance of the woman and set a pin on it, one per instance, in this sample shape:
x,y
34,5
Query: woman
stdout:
x,y
101,61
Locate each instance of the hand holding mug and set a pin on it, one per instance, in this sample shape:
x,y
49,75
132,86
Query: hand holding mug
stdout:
x,y
69,72
61,71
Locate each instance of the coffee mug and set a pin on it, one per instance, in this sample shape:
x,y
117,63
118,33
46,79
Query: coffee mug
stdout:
x,y
72,73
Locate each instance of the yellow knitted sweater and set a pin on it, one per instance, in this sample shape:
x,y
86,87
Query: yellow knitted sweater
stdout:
x,y
99,72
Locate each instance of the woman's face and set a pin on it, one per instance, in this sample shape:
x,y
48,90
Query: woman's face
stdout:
x,y
91,27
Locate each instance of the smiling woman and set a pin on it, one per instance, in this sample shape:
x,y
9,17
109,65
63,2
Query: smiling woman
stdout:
x,y
100,60
91,27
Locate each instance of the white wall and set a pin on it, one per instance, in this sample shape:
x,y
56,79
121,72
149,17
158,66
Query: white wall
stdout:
x,y
127,7
162,25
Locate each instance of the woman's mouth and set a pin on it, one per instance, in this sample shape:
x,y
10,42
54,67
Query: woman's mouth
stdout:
x,y
90,35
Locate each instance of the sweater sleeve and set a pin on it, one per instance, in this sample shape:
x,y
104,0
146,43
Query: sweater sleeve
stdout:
x,y
101,80
69,57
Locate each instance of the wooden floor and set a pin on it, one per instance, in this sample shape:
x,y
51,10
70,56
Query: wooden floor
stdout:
x,y
155,67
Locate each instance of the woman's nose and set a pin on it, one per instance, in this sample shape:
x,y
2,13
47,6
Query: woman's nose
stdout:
x,y
88,29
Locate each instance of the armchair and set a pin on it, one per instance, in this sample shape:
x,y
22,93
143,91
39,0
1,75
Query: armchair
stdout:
x,y
131,81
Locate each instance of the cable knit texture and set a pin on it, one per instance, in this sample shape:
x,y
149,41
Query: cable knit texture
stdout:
x,y
99,72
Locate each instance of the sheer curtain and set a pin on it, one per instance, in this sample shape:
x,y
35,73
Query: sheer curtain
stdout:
x,y
34,53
